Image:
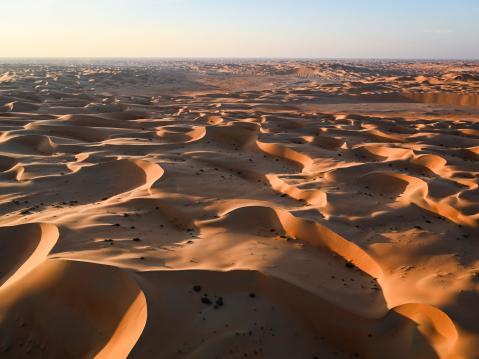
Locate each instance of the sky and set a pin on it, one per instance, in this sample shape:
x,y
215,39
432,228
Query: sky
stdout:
x,y
240,28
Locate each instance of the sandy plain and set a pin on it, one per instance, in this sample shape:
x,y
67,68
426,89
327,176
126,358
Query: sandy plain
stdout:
x,y
233,209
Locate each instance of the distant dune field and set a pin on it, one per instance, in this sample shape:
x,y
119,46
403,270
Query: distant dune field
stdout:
x,y
255,209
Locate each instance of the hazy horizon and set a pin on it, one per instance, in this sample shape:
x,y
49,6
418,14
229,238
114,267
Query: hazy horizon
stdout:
x,y
303,29
280,58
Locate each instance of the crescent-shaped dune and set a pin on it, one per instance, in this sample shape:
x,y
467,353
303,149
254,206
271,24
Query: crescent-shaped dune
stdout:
x,y
6,163
181,134
281,309
328,143
23,247
71,309
19,106
28,144
115,176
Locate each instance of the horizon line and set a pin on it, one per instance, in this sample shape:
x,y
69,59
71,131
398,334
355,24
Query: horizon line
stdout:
x,y
234,57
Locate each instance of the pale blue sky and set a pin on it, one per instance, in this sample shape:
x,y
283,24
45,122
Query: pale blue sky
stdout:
x,y
240,28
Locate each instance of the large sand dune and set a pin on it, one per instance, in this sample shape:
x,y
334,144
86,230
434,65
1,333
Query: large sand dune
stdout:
x,y
275,209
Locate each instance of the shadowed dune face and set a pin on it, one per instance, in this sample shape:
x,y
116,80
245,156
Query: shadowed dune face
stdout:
x,y
269,209
23,247
72,310
28,144
6,163
253,318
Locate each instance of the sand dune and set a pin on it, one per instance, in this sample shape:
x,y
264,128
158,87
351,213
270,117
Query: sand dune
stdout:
x,y
6,163
28,144
23,248
71,309
230,330
276,209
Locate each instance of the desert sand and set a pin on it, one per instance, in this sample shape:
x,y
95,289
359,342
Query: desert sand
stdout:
x,y
239,209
